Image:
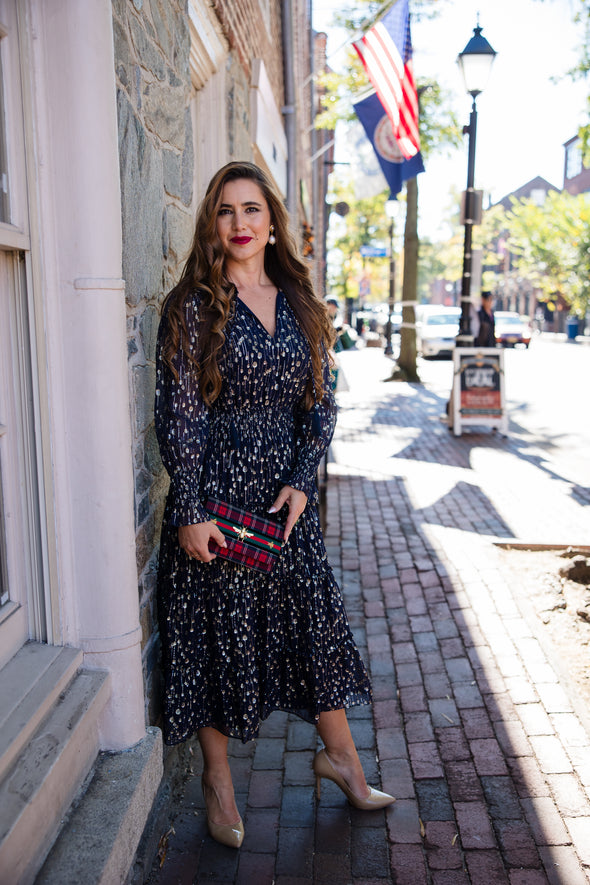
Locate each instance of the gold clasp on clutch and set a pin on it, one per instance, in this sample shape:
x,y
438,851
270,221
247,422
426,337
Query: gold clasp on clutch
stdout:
x,y
242,533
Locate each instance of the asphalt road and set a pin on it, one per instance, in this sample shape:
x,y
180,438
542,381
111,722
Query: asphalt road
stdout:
x,y
547,401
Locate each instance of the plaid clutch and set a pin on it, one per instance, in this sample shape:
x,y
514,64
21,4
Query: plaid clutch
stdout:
x,y
251,540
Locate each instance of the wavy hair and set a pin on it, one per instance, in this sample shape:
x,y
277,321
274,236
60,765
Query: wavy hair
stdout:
x,y
204,271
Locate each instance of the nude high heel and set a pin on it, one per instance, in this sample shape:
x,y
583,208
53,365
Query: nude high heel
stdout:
x,y
231,835
324,768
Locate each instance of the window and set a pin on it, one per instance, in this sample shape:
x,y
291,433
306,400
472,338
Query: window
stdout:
x,y
24,606
573,160
4,593
4,202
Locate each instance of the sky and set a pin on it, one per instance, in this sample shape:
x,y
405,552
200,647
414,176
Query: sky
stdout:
x,y
523,117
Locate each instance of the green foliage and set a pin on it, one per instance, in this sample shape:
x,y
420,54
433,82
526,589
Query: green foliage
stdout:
x,y
365,224
550,245
339,91
440,130
581,70
362,14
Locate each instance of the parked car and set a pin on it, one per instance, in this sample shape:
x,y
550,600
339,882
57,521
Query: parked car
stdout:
x,y
374,318
436,330
512,329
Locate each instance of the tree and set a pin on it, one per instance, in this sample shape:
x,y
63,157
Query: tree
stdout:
x,y
546,244
581,70
364,225
550,244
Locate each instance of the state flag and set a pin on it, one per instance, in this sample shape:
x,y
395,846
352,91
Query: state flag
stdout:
x,y
379,131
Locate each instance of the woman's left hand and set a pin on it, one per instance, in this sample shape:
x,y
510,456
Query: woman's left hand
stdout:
x,y
296,502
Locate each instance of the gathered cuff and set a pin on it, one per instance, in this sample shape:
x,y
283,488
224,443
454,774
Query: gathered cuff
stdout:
x,y
303,483
184,506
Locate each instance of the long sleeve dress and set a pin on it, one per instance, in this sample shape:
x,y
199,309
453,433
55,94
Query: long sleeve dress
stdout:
x,y
236,643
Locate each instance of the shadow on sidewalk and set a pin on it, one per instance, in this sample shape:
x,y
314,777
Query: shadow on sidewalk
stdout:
x,y
450,672
423,411
460,728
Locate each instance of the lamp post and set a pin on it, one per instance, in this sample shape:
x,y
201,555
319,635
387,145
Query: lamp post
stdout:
x,y
475,63
391,210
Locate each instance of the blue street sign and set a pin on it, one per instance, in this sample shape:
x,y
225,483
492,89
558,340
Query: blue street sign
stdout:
x,y
373,251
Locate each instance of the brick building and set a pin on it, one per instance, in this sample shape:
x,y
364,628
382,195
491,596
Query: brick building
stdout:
x,y
576,176
115,113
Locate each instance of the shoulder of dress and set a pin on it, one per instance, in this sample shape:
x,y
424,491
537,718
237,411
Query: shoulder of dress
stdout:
x,y
194,298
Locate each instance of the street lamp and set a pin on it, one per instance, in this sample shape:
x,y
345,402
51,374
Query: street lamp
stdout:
x,y
475,64
391,210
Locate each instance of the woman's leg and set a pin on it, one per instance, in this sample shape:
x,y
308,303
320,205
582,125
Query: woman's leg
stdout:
x,y
334,730
217,783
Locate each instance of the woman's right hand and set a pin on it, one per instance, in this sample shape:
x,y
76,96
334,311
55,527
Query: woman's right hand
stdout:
x,y
194,540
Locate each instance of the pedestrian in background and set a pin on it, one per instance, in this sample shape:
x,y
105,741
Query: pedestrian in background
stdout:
x,y
485,336
244,413
334,314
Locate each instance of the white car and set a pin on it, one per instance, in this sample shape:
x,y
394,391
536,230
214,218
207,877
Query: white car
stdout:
x,y
436,330
512,329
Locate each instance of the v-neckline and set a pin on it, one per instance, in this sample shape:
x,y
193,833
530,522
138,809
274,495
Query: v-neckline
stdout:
x,y
257,318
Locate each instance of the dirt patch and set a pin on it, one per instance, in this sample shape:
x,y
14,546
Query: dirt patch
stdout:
x,y
557,608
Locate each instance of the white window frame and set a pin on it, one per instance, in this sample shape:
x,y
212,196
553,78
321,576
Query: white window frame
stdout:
x,y
28,614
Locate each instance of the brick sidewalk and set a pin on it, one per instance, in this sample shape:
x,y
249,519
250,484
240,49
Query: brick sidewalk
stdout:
x,y
470,728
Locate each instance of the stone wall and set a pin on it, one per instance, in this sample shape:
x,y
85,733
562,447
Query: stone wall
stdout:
x,y
152,43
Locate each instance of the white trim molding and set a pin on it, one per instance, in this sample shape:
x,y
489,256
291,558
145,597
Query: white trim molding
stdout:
x,y
269,141
209,47
79,232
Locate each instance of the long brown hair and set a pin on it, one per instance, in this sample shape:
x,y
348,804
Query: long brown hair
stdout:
x,y
204,272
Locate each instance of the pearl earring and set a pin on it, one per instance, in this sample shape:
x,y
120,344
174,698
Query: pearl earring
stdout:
x,y
272,239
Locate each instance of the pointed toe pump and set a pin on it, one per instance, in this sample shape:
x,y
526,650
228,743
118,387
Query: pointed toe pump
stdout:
x,y
324,768
231,835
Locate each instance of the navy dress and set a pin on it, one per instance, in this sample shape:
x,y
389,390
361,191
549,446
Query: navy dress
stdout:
x,y
238,644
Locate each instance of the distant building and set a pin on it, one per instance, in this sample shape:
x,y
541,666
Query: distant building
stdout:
x,y
536,189
576,176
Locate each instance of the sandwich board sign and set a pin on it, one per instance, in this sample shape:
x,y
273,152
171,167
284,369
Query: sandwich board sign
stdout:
x,y
478,395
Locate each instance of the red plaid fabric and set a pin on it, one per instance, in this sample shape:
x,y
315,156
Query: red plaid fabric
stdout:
x,y
251,540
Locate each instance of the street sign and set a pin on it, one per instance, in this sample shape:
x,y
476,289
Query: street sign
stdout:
x,y
373,251
364,287
478,395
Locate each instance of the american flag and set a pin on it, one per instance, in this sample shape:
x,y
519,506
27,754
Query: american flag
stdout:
x,y
386,53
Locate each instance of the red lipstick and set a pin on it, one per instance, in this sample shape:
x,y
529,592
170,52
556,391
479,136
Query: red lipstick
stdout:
x,y
241,241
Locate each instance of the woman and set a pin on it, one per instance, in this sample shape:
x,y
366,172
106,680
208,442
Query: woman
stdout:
x,y
244,413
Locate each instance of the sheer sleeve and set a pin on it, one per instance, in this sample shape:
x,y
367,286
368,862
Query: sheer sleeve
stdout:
x,y
314,434
182,426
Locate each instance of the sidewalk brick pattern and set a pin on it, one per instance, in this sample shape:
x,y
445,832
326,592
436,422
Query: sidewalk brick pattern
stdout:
x,y
470,728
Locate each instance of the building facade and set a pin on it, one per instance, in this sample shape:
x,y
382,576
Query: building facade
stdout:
x,y
114,115
576,176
